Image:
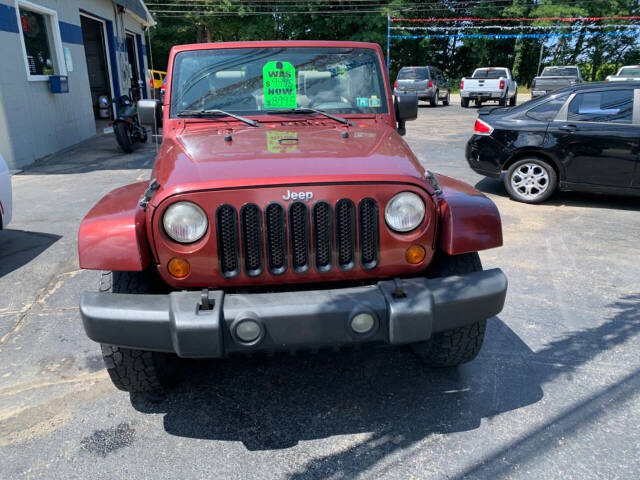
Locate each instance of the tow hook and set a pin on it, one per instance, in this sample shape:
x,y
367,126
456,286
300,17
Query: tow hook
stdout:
x,y
206,302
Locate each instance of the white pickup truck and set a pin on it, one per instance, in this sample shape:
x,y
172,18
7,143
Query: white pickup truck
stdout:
x,y
490,83
626,73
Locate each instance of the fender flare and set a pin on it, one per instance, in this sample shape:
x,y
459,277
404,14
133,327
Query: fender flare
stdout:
x,y
113,234
468,221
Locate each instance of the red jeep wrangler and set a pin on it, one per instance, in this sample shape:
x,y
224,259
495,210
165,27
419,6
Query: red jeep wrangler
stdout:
x,y
285,212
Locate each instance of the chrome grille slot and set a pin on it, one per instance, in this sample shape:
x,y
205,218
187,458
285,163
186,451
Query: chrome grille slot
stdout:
x,y
299,229
368,231
345,233
276,239
322,235
227,227
251,222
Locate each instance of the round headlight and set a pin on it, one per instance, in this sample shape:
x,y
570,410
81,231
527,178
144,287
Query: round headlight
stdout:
x,y
185,222
404,212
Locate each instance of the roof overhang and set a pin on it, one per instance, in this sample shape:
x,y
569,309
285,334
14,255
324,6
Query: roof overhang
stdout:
x,y
138,10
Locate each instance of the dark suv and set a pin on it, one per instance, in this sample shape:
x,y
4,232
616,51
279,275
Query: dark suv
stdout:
x,y
429,83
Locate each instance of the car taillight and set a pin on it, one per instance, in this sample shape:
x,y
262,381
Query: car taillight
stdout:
x,y
461,84
395,84
150,82
501,84
430,84
482,128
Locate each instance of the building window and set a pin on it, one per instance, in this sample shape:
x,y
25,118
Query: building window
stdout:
x,y
41,42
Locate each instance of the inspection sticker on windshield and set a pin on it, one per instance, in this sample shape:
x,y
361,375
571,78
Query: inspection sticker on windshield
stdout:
x,y
279,84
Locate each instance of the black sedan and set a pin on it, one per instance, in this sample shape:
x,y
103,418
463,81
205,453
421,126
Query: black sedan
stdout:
x,y
585,137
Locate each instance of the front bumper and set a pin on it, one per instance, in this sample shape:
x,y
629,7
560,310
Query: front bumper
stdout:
x,y
404,310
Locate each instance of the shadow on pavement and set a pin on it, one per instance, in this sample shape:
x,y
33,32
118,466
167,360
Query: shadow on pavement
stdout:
x,y
98,153
273,403
19,247
569,199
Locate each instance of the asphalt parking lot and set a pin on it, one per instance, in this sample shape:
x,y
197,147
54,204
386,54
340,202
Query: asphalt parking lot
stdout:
x,y
554,392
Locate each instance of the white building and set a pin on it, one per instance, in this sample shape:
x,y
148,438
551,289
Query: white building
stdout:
x,y
98,45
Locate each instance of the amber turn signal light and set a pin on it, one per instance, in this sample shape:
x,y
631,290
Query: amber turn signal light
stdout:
x,y
179,267
415,254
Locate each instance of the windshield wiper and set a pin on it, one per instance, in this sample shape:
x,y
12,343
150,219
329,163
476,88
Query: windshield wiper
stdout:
x,y
312,110
217,113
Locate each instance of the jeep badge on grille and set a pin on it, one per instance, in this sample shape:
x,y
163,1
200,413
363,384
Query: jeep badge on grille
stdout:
x,y
304,196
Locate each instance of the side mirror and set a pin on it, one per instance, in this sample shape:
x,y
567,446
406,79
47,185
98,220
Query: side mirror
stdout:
x,y
406,107
150,113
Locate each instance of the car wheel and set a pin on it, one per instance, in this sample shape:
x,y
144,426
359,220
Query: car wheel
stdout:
x,y
458,345
464,102
530,180
447,99
503,101
513,100
478,103
133,370
433,101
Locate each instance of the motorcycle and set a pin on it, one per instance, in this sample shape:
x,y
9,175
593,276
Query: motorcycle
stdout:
x,y
126,126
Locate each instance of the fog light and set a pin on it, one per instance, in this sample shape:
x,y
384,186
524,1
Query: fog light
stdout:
x,y
415,254
363,323
248,331
179,267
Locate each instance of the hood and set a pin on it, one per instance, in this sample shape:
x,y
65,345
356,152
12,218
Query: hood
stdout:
x,y
200,158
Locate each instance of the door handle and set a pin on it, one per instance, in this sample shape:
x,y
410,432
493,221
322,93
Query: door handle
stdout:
x,y
568,128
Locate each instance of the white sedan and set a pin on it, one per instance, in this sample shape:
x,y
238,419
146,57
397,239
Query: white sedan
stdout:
x,y
5,194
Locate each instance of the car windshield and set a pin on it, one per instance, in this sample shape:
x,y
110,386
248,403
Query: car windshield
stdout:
x,y
560,72
413,73
258,80
629,72
490,73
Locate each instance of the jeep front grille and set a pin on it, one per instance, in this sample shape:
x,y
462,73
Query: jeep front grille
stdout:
x,y
302,238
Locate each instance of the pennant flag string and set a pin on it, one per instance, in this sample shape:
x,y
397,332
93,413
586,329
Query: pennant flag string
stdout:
x,y
515,19
520,27
502,36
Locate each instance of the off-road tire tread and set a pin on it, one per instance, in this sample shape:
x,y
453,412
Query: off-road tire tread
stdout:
x,y
459,345
133,370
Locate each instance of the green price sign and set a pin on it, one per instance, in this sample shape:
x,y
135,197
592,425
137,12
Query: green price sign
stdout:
x,y
279,85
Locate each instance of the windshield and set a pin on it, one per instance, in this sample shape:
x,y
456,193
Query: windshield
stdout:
x,y
413,73
490,73
254,80
629,72
560,72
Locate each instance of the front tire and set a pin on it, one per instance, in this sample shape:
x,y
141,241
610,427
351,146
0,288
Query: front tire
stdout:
x,y
530,180
133,370
453,347
124,136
